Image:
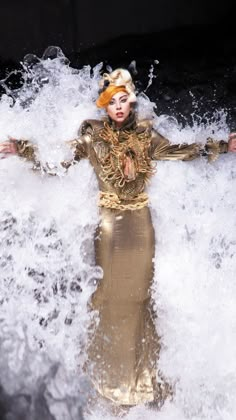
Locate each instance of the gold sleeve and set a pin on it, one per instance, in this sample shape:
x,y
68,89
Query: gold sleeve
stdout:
x,y
80,146
162,149
26,150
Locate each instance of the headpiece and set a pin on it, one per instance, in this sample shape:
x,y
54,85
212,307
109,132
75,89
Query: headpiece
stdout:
x,y
111,83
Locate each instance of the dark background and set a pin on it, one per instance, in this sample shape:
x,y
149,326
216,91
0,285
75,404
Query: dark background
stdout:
x,y
31,25
194,40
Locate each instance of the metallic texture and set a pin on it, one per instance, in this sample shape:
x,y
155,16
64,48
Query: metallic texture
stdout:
x,y
112,201
25,149
124,348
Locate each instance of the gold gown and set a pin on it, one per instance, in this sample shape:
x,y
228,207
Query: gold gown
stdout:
x,y
124,347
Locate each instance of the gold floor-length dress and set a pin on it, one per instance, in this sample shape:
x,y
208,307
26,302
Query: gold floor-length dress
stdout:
x,y
124,348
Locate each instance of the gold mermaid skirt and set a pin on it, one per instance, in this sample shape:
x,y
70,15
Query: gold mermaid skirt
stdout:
x,y
124,347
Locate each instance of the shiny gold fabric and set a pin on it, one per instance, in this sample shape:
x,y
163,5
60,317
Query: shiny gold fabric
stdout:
x,y
112,201
124,349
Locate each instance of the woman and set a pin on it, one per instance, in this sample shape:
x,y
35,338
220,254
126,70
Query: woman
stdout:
x,y
123,350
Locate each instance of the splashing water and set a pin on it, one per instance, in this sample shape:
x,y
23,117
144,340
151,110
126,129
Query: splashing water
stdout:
x,y
47,225
151,76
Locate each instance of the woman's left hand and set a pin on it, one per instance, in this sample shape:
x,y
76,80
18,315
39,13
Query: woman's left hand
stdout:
x,y
232,142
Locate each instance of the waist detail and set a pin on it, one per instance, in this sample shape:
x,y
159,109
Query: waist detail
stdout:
x,y
112,201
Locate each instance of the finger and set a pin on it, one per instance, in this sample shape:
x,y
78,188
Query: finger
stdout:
x,y
2,148
7,148
12,148
232,140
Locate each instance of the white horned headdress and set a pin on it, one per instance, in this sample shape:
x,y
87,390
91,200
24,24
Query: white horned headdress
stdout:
x,y
119,77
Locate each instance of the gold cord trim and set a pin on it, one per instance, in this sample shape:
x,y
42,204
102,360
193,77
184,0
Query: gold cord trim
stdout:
x,y
112,201
122,146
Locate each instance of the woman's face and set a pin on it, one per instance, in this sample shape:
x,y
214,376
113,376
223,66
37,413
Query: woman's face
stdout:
x,y
119,107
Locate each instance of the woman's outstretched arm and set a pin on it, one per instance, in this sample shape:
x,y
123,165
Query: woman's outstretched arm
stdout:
x,y
25,149
28,151
162,149
22,148
81,145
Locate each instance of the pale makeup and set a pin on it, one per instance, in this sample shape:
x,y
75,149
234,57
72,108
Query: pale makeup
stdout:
x,y
119,108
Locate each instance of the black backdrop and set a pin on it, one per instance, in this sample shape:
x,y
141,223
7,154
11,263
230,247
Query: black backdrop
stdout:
x,y
195,42
75,25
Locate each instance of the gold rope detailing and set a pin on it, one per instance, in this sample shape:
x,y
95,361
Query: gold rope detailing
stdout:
x,y
112,201
127,160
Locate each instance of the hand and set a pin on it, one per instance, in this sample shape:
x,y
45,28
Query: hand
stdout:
x,y
232,142
8,147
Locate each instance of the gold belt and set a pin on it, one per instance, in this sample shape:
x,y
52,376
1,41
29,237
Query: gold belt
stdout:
x,y
112,201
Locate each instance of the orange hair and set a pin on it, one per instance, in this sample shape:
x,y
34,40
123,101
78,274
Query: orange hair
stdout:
x,y
105,97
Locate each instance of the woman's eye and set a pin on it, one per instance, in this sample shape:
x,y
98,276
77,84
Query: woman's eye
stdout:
x,y
124,100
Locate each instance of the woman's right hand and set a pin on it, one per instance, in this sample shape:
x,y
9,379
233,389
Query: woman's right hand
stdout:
x,y
8,147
